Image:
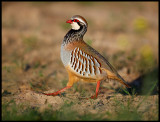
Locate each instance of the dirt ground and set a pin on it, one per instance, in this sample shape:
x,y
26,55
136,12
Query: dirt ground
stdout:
x,y
126,33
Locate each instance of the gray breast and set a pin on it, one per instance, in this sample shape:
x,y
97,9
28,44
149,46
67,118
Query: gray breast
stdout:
x,y
65,56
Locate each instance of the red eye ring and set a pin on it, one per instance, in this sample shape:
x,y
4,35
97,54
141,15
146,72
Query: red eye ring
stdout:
x,y
75,20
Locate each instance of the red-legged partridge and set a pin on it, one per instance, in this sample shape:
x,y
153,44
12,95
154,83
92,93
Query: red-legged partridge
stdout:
x,y
81,61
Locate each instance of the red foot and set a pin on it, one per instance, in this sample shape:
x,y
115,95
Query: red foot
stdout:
x,y
58,92
52,94
97,89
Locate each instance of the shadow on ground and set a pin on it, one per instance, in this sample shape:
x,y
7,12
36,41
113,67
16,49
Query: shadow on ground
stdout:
x,y
143,85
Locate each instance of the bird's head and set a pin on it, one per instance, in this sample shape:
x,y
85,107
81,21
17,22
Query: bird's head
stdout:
x,y
77,21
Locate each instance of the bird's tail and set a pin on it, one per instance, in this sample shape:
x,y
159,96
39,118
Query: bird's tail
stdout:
x,y
116,77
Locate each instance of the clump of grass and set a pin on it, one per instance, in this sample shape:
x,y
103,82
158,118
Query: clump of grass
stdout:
x,y
129,111
150,80
12,111
126,114
132,92
149,92
125,111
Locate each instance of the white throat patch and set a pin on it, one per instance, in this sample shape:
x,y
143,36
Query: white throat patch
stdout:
x,y
75,26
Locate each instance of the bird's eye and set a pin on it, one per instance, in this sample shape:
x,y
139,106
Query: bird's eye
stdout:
x,y
75,20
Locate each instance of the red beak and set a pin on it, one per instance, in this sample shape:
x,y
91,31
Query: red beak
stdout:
x,y
69,21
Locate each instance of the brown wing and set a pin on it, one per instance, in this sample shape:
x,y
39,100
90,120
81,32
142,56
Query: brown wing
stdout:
x,y
84,64
105,64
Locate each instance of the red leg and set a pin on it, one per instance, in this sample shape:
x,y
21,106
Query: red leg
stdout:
x,y
97,89
58,92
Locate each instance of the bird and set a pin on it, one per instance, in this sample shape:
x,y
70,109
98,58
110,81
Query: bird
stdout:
x,y
83,62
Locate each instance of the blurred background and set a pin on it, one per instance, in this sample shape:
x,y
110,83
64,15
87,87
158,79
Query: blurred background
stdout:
x,y
125,33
